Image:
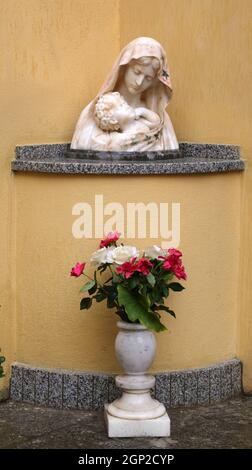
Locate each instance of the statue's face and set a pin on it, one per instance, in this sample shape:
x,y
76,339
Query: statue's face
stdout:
x,y
139,78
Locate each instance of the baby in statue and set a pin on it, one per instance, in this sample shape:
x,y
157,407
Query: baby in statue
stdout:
x,y
113,115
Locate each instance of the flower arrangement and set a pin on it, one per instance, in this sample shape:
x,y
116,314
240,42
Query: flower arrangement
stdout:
x,y
137,284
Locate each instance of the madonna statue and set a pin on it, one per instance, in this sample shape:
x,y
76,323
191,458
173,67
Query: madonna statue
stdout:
x,y
128,114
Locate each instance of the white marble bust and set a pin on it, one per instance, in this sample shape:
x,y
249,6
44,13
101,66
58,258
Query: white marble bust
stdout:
x,y
129,112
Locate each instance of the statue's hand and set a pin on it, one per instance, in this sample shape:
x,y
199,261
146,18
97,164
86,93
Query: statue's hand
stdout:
x,y
138,113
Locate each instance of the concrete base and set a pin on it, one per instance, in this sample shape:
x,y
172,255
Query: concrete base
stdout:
x,y
118,427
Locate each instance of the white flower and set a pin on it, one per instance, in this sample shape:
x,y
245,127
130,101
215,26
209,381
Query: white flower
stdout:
x,y
153,252
110,254
102,256
124,253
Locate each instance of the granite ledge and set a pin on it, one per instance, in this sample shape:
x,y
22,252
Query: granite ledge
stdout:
x,y
186,149
190,159
60,388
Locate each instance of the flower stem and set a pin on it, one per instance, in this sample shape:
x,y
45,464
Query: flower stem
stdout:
x,y
111,270
91,279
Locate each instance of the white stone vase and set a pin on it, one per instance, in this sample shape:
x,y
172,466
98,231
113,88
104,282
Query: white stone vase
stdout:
x,y
136,413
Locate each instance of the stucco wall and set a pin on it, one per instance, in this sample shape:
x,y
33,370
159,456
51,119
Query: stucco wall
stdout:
x,y
51,329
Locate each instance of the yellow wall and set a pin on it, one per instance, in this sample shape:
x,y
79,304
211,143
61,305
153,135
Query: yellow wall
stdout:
x,y
51,329
56,54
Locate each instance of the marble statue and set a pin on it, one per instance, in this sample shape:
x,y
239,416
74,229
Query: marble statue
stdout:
x,y
128,114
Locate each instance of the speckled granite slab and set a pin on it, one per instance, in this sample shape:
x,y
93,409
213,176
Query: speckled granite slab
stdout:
x,y
191,158
75,389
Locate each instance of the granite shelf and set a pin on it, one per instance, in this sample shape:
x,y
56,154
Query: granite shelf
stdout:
x,y
60,388
192,158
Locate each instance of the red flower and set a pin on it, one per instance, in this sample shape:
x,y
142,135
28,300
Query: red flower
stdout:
x,y
173,263
110,239
143,266
128,268
180,273
174,252
78,269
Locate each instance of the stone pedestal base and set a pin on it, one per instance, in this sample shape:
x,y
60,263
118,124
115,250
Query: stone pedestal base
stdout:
x,y
119,427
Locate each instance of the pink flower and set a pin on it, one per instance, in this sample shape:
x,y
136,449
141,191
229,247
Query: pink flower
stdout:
x,y
180,273
173,263
78,269
128,268
110,239
174,252
167,263
143,266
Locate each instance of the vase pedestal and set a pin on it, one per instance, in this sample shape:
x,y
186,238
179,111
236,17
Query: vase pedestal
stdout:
x,y
119,427
136,413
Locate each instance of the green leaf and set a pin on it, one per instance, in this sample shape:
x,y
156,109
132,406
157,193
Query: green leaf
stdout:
x,y
167,276
93,289
136,311
164,290
100,296
152,322
111,299
116,278
85,303
129,300
151,279
143,290
166,309
132,282
176,286
122,314
87,286
156,296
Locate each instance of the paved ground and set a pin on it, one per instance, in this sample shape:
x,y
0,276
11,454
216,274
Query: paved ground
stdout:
x,y
224,425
